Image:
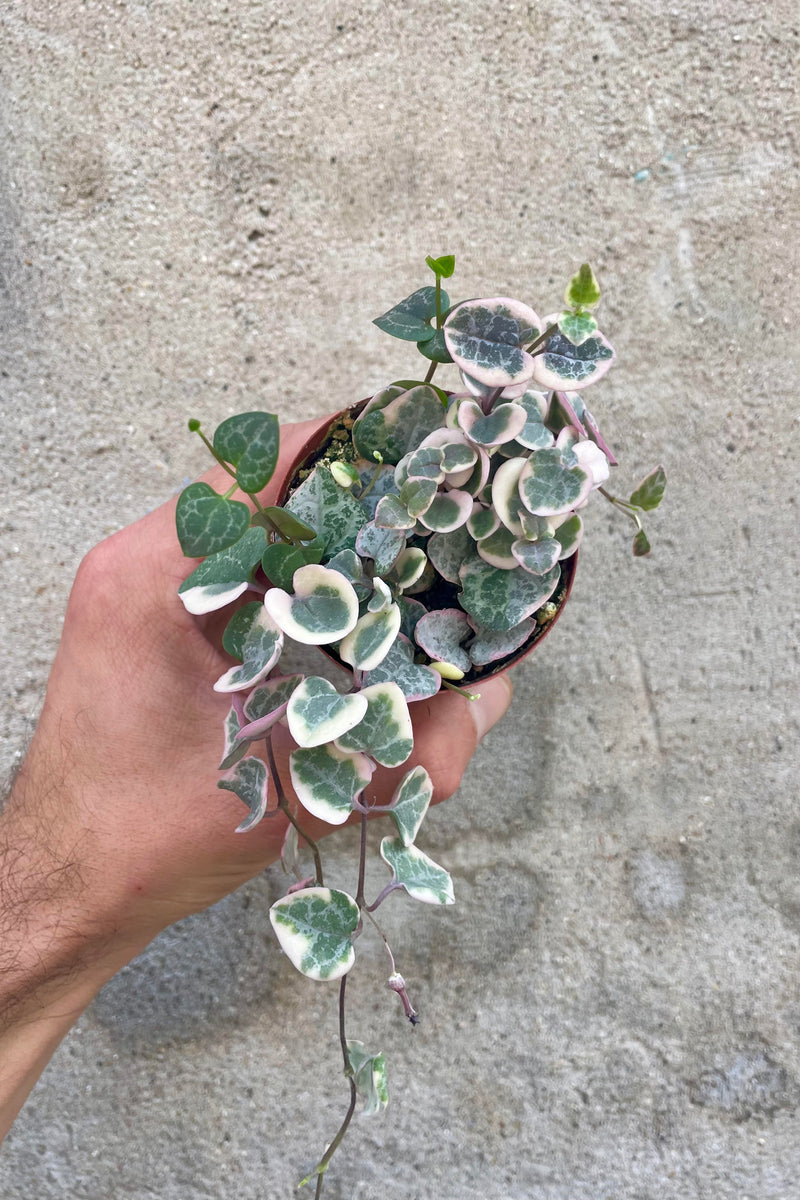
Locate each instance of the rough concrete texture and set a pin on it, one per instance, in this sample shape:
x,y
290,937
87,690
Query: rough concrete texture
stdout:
x,y
203,206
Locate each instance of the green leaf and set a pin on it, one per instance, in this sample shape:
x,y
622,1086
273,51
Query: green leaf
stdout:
x,y
491,645
501,599
549,483
261,650
249,780
399,426
482,522
502,424
315,927
485,338
323,609
537,557
369,1076
435,348
442,266
583,290
415,682
238,628
335,513
410,803
641,545
317,713
564,366
269,698
206,522
385,732
368,644
496,549
650,492
233,749
280,560
285,522
250,442
416,495
409,319
223,576
447,511
449,551
576,327
410,564
569,534
327,780
380,544
392,514
534,435
348,563
441,633
422,878
345,474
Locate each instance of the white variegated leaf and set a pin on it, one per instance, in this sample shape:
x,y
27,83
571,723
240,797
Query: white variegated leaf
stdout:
x,y
422,878
249,780
323,609
260,652
384,732
368,644
317,713
315,929
327,780
410,803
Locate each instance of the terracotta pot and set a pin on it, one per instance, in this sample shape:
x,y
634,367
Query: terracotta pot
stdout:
x,y
306,457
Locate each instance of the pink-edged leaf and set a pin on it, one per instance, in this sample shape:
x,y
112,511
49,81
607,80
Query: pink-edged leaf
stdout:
x,y
448,511
449,551
491,645
266,705
482,521
485,339
550,484
496,549
385,731
501,599
537,557
565,365
367,645
323,609
380,544
506,500
441,633
416,682
249,780
261,650
317,713
327,780
501,425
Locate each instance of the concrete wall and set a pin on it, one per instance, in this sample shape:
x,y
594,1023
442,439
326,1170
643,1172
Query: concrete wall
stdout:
x,y
203,206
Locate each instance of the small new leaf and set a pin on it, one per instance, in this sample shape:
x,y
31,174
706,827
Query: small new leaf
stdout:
x,y
641,545
249,780
577,327
369,1076
583,290
442,266
650,492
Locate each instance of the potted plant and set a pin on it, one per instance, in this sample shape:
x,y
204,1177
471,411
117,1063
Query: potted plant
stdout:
x,y
425,539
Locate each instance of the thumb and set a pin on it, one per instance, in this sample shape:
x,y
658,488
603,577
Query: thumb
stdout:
x,y
492,703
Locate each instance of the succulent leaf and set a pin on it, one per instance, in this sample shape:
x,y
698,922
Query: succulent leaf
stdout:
x,y
650,492
206,522
369,1076
583,290
381,544
506,500
410,803
569,534
501,599
381,598
223,576
415,682
441,633
410,564
234,749
537,557
449,551
502,424
641,544
315,927
534,434
376,481
400,426
409,320
482,521
384,732
549,485
317,713
565,365
435,348
368,644
250,442
422,878
333,511
576,327
447,511
391,513
416,495
327,780
496,549
323,609
266,705
249,780
280,560
491,645
485,339
238,628
261,650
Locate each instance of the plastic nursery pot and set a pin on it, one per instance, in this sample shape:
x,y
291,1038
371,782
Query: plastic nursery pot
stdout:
x,y
445,594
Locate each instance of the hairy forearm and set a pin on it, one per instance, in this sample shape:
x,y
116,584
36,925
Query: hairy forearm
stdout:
x,y
56,951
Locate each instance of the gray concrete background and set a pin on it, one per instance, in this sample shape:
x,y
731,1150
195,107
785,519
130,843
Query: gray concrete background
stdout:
x,y
203,206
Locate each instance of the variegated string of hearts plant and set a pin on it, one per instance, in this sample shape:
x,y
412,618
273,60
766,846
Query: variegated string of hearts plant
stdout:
x,y
426,544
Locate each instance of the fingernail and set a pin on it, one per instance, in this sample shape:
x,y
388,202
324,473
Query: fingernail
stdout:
x,y
492,703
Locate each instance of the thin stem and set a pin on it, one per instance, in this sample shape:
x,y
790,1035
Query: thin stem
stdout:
x,y
630,510
324,1162
283,805
227,495
220,460
455,688
431,369
385,940
372,481
438,301
362,863
551,329
390,887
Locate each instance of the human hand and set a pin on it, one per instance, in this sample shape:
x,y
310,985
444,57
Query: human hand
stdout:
x,y
117,799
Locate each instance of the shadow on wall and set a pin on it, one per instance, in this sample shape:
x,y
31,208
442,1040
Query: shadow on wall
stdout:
x,y
217,969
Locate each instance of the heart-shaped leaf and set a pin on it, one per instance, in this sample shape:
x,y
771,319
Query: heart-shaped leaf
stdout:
x,y
501,599
537,557
534,434
385,731
249,780
410,564
415,682
280,560
641,544
410,612
368,644
380,544
481,522
449,551
347,563
650,492
400,426
485,338
424,463
327,780
496,549
447,511
409,319
369,1076
391,513
502,424
549,484
223,576
317,713
334,512
565,365
266,705
206,522
416,495
422,878
569,534
435,348
441,633
410,803
442,266
250,442
491,645
238,628
315,927
261,650
323,609
576,327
